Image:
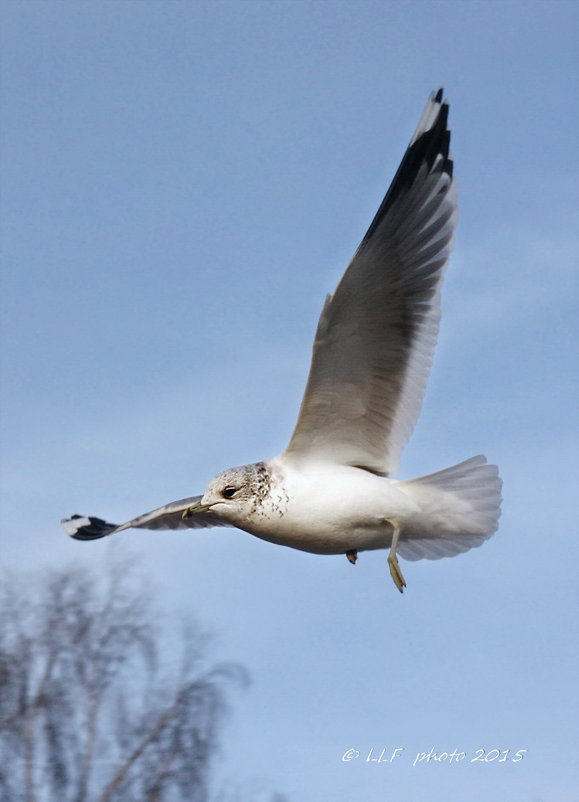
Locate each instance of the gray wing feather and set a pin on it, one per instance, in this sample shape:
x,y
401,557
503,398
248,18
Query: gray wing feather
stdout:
x,y
169,516
376,335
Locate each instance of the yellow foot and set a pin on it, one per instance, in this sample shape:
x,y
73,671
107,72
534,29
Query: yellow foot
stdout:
x,y
187,513
396,573
352,556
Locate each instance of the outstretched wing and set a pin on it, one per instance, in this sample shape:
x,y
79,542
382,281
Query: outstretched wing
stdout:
x,y
376,336
171,516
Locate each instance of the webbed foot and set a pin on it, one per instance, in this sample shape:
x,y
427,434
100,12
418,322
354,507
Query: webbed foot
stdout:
x,y
395,571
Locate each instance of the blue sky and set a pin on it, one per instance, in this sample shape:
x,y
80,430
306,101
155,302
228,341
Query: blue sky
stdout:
x,y
183,183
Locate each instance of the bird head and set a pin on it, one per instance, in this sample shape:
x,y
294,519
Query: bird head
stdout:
x,y
236,493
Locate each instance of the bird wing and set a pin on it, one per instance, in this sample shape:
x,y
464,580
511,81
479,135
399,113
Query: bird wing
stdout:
x,y
171,516
376,335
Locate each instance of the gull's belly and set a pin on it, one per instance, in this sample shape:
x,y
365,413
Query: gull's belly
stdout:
x,y
331,513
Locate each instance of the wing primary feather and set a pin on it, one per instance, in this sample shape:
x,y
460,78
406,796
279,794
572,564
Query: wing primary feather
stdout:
x,y
170,516
425,147
88,527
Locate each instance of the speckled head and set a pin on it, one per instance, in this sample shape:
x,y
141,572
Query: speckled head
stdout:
x,y
236,493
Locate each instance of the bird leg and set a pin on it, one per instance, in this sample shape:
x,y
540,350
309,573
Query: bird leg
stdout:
x,y
352,556
395,571
188,512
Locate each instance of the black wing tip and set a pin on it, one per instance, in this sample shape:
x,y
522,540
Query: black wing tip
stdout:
x,y
433,142
431,146
449,167
82,527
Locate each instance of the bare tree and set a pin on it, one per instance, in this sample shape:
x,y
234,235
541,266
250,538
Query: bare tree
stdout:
x,y
89,712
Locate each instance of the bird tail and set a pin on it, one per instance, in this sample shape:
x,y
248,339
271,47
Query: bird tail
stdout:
x,y
460,508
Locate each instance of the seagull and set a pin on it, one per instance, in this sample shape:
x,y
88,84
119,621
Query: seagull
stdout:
x,y
332,490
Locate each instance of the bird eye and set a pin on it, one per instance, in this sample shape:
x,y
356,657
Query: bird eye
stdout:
x,y
229,492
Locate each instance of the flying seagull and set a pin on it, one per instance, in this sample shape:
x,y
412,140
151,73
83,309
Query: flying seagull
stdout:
x,y
332,491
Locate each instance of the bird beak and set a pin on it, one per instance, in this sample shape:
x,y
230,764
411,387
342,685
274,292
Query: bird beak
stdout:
x,y
194,509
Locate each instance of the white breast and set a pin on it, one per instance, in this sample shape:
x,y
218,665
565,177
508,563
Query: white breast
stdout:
x,y
328,509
